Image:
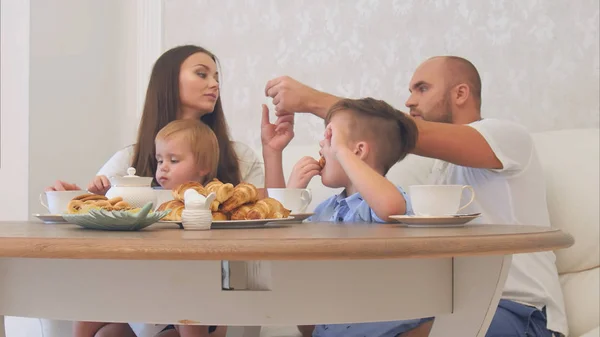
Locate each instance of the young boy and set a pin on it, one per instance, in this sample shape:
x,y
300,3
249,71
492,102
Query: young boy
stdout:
x,y
363,139
186,150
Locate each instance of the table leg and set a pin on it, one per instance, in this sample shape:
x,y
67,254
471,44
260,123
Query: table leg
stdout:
x,y
2,331
250,275
478,283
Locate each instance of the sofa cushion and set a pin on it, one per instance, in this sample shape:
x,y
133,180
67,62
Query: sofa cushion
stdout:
x,y
592,333
581,295
570,160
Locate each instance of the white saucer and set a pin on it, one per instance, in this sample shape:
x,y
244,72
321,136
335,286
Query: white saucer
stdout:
x,y
51,218
457,220
301,216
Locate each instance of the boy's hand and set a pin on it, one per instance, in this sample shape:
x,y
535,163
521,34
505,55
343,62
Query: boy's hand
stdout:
x,y
276,136
304,170
99,185
337,137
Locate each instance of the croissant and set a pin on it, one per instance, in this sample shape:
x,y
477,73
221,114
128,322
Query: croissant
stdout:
x,y
278,211
180,190
243,193
214,206
260,210
219,216
176,208
223,191
267,208
241,212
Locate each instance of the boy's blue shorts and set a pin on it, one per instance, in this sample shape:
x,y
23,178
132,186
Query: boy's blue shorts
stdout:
x,y
510,320
518,320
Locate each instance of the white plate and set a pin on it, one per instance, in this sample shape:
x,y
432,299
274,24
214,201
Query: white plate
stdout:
x,y
228,224
301,216
457,220
51,218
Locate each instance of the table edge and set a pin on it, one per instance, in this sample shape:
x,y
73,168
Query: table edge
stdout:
x,y
284,249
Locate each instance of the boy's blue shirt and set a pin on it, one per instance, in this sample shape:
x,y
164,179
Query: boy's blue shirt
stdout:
x,y
354,208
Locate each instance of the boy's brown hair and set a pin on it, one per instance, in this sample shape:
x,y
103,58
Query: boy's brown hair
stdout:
x,y
391,132
202,140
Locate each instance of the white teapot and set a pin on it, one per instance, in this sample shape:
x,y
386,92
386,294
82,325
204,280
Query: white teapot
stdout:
x,y
135,190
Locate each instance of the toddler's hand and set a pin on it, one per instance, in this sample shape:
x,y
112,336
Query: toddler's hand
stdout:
x,y
304,170
99,185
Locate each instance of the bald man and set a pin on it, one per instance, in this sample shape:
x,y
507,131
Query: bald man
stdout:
x,y
497,158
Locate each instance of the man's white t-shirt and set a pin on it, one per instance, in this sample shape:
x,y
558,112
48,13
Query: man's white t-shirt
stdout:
x,y
252,168
515,194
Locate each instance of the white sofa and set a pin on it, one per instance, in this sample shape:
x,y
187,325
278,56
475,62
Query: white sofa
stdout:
x,y
571,162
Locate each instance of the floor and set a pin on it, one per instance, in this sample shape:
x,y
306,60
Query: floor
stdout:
x,y
29,327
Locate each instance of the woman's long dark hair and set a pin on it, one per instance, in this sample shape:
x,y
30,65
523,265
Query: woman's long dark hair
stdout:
x,y
162,106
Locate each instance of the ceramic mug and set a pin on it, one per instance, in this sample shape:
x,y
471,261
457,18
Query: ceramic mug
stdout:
x,y
294,199
439,200
56,201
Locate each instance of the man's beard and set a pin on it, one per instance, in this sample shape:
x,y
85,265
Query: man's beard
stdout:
x,y
440,113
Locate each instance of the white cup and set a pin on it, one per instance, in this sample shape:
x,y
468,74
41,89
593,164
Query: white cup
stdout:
x,y
437,200
294,199
56,201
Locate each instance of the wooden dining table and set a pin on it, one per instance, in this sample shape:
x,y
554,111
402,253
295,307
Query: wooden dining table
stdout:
x,y
305,273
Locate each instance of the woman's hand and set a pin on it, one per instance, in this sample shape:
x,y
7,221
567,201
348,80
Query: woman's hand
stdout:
x,y
275,137
60,185
99,185
304,170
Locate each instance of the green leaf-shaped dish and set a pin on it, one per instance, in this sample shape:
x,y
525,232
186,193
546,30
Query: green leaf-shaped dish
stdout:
x,y
116,220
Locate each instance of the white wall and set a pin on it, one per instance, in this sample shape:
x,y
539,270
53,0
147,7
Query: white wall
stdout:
x,y
80,89
14,110
538,59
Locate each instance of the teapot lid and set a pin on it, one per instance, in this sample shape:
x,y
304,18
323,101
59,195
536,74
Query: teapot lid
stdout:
x,y
130,180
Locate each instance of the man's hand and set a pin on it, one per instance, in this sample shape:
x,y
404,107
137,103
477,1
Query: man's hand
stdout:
x,y
290,96
99,185
275,137
304,170
60,185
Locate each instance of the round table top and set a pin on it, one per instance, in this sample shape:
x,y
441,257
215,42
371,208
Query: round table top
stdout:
x,y
304,241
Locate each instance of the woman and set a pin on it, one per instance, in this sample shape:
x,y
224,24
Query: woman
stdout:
x,y
184,84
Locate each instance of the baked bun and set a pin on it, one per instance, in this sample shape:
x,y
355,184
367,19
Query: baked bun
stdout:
x,y
322,162
180,190
176,208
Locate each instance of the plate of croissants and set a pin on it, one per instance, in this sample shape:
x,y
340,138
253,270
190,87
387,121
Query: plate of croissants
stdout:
x,y
98,212
234,206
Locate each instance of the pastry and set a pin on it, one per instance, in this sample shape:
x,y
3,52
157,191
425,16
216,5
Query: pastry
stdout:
x,y
180,190
222,191
93,197
267,208
115,200
219,216
176,208
242,194
85,195
74,206
322,162
241,212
